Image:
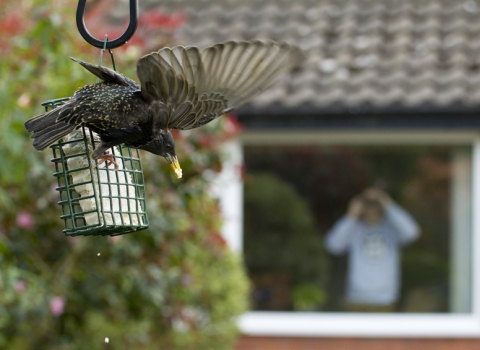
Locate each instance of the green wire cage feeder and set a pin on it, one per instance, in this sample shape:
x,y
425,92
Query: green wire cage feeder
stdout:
x,y
97,199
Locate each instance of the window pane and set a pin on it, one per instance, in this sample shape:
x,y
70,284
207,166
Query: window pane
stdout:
x,y
295,194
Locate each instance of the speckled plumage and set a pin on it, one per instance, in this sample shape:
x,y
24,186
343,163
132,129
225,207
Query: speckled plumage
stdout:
x,y
113,112
180,88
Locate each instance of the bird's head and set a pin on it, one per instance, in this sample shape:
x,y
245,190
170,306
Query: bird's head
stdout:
x,y
163,145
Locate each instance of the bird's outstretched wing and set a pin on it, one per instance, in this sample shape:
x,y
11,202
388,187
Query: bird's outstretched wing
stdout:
x,y
107,75
168,77
196,86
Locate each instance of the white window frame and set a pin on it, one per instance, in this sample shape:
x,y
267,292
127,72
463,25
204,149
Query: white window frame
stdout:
x,y
331,324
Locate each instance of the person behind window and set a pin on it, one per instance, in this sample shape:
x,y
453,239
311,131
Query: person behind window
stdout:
x,y
372,232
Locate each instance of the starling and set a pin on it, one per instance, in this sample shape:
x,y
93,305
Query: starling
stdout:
x,y
180,88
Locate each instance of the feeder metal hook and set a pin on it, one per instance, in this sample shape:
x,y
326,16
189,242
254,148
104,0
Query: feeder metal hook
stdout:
x,y
132,27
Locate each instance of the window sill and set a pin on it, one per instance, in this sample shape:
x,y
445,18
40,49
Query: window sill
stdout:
x,y
316,324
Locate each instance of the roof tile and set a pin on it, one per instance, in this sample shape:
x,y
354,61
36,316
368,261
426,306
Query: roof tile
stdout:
x,y
375,52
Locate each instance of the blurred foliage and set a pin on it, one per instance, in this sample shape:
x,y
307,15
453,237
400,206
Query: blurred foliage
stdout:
x,y
308,297
174,286
280,233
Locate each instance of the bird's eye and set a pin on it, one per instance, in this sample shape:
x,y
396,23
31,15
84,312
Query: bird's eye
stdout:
x,y
169,146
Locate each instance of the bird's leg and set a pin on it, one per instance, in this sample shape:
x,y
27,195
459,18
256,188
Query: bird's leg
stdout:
x,y
103,156
108,159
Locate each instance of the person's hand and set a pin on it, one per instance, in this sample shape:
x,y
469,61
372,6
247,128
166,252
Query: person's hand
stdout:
x,y
355,208
377,194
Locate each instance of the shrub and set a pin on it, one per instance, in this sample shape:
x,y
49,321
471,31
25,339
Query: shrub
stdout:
x,y
281,240
176,285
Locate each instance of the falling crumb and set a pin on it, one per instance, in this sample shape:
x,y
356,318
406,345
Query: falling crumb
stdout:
x,y
98,254
107,340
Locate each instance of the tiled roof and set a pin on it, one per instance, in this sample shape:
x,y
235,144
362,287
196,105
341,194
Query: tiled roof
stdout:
x,y
375,53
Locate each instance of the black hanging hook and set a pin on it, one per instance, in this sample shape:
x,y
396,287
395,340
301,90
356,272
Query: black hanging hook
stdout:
x,y
132,26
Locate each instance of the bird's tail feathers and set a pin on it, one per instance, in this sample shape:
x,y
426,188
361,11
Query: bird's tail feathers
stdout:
x,y
46,129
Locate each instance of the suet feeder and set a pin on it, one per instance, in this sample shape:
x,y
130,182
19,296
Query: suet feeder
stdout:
x,y
97,199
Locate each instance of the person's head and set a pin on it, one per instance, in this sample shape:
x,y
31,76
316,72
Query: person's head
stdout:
x,y
372,209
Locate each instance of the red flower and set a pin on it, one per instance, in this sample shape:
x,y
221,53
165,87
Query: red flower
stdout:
x,y
206,141
20,286
11,25
57,305
157,19
217,239
233,126
25,220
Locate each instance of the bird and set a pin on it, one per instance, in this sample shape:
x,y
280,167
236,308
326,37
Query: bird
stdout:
x,y
180,88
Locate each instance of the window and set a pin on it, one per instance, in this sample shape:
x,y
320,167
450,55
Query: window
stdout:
x,y
314,175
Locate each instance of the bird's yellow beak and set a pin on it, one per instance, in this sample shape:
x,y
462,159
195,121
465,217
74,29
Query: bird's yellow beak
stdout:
x,y
175,166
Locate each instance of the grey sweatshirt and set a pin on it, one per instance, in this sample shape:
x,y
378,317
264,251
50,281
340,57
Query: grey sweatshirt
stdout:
x,y
374,263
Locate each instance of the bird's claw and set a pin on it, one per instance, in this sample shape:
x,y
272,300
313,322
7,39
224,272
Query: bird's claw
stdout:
x,y
108,160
